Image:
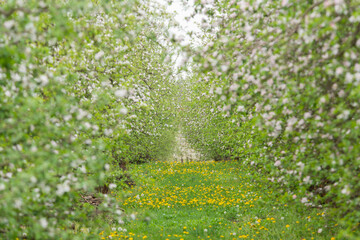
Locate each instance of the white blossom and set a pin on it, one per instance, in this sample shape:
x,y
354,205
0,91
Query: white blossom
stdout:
x,y
9,24
277,163
307,115
123,111
62,188
43,222
241,108
346,190
307,179
99,55
358,43
120,93
18,203
107,166
218,90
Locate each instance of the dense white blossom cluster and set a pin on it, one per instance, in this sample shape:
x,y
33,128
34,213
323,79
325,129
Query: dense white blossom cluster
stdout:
x,y
284,95
84,89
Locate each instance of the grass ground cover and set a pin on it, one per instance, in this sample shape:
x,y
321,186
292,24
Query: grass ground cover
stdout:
x,y
212,200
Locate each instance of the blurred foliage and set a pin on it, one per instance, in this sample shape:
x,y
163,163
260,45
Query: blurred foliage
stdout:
x,y
85,88
276,86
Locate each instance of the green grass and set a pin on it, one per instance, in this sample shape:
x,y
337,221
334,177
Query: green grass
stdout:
x,y
212,200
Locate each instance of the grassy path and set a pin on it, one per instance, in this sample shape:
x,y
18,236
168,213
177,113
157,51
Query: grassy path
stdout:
x,y
212,200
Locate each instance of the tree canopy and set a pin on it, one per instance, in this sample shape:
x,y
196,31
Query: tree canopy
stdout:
x,y
88,87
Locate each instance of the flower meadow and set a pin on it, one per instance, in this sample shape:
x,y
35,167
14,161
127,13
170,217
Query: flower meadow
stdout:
x,y
96,94
213,200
